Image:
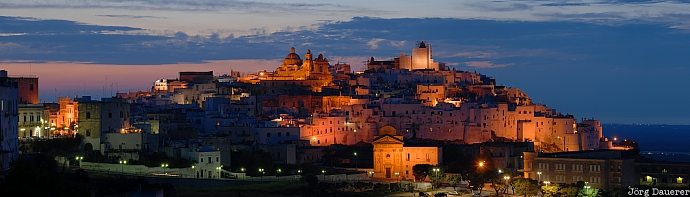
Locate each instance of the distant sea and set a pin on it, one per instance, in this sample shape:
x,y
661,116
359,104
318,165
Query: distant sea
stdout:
x,y
655,140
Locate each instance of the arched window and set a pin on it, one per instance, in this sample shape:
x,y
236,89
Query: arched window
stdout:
x,y
388,155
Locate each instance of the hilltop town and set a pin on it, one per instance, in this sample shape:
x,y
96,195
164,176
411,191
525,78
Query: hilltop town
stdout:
x,y
376,124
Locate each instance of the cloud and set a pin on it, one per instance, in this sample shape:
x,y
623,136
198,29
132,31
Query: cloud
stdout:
x,y
128,16
485,64
398,44
187,5
374,43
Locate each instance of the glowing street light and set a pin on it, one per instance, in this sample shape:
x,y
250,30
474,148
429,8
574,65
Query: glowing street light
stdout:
x,y
481,164
242,169
164,166
220,170
79,158
122,166
539,173
355,154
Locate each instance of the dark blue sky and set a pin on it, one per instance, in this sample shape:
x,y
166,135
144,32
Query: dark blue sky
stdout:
x,y
628,72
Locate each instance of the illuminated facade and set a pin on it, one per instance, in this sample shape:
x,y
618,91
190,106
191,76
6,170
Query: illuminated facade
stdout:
x,y
419,60
69,114
393,161
33,121
310,72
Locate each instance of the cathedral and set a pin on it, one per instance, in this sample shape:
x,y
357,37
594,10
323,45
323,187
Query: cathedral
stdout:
x,y
294,68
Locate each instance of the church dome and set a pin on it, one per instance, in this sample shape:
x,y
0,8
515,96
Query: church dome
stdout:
x,y
292,58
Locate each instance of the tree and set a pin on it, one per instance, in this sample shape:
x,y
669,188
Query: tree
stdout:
x,y
420,171
570,191
551,190
499,184
454,180
436,175
525,186
588,191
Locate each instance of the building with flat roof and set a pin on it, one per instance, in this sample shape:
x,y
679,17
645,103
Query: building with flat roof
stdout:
x,y
599,168
9,120
28,88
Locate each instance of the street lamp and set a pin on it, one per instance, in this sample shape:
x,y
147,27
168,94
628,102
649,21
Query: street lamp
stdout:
x,y
242,169
481,164
397,176
220,170
507,178
539,174
122,166
164,166
79,158
355,154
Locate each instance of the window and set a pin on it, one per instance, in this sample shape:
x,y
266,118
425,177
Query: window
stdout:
x,y
202,160
217,159
560,167
388,155
560,178
577,168
209,159
88,115
408,156
594,168
268,134
543,166
110,115
594,179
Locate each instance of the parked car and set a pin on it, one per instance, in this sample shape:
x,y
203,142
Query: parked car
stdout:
x,y
454,193
440,194
423,194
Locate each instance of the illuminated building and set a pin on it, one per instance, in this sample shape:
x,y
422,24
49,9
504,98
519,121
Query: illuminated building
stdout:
x,y
394,161
69,113
32,121
9,98
419,60
310,73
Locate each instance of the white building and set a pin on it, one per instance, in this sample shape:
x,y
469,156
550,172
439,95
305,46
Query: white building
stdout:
x,y
207,162
421,59
9,96
32,121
